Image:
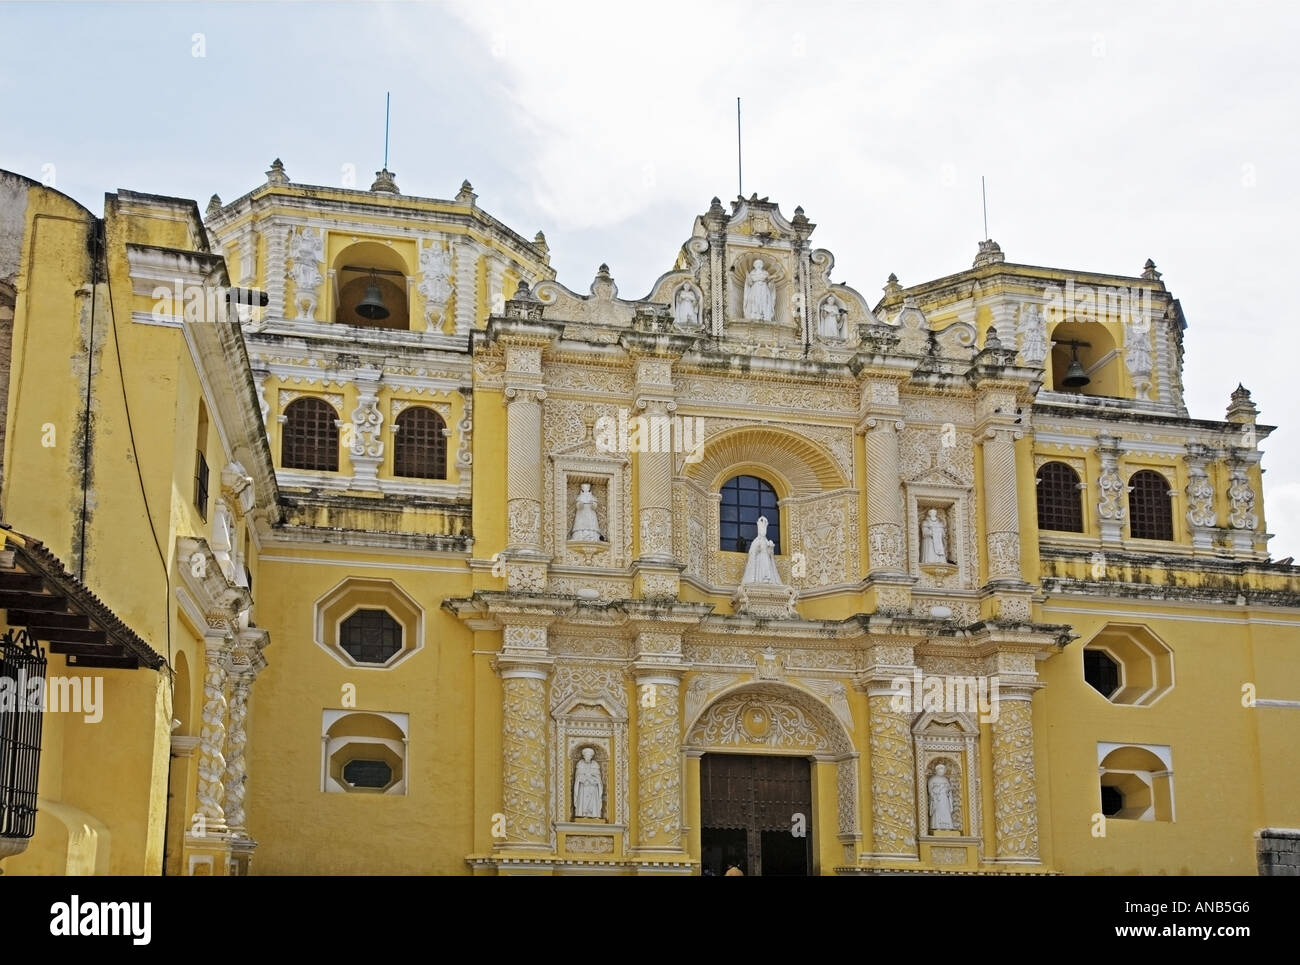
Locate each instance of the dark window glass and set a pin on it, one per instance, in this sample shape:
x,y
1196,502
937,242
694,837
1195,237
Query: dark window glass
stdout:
x,y
371,636
310,438
1149,511
1059,503
361,773
744,499
201,484
1101,671
1112,801
419,446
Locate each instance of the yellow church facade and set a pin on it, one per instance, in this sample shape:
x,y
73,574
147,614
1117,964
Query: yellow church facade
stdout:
x,y
364,545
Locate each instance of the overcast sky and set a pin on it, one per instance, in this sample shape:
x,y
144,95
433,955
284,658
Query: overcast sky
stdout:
x,y
1109,133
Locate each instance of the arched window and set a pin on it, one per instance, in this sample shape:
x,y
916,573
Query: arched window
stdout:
x,y
371,636
1150,514
1059,505
419,444
744,499
310,439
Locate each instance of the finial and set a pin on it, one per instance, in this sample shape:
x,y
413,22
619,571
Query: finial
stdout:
x,y
603,269
892,287
214,205
990,253
385,182
1241,409
276,174
1149,271
466,194
991,340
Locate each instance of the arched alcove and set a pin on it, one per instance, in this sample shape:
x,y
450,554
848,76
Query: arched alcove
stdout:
x,y
1097,355
361,265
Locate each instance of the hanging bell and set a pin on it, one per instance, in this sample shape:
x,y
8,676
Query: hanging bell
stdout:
x,y
1075,376
372,306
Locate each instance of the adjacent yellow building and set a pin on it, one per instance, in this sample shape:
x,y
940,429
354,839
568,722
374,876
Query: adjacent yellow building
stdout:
x,y
330,495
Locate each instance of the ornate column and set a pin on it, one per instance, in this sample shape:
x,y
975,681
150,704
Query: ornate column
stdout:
x,y
236,739
1241,506
524,337
658,758
212,736
366,448
880,421
1111,491
276,244
467,255
1000,388
893,764
1200,497
524,666
715,222
1015,797
655,457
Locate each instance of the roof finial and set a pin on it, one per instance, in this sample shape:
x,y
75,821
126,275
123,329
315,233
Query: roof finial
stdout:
x,y
277,175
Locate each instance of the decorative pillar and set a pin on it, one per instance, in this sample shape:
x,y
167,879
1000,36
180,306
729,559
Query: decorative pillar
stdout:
x,y
524,666
496,270
893,764
236,738
880,423
715,222
1015,799
212,737
366,448
658,759
1001,506
1111,491
467,253
1200,497
1241,506
276,243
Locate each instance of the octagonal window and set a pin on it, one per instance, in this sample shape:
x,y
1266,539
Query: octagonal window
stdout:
x,y
371,636
1128,664
369,623
365,752
1101,671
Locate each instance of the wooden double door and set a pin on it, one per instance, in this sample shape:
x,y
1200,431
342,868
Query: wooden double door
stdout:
x,y
756,814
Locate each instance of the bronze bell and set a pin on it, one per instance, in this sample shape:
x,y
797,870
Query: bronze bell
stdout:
x,y
1075,376
372,306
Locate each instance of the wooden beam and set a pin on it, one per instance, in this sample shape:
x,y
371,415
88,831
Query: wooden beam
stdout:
x,y
74,621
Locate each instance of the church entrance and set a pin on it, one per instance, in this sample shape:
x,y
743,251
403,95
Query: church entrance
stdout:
x,y
756,814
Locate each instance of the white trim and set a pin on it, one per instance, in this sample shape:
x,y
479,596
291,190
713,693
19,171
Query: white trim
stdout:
x,y
358,564
1149,615
1291,704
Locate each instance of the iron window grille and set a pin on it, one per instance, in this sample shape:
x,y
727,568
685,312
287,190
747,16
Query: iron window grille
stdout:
x,y
371,636
420,444
1059,504
744,499
22,661
311,436
1150,514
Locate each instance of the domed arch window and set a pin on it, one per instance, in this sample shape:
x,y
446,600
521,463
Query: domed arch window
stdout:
x,y
744,499
1150,508
1059,504
420,444
310,436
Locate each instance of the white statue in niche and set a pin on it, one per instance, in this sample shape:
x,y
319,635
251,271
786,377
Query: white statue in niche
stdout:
x,y
940,787
761,565
1033,337
223,538
686,308
832,319
587,786
586,526
760,297
934,538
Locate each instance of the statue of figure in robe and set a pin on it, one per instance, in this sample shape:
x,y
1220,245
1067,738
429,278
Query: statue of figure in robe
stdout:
x,y
934,539
760,298
761,565
940,787
587,786
585,524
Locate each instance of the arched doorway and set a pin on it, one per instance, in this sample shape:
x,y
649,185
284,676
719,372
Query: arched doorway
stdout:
x,y
769,751
755,814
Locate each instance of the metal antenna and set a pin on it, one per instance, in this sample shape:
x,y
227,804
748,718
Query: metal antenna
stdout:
x,y
985,196
740,179
387,100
